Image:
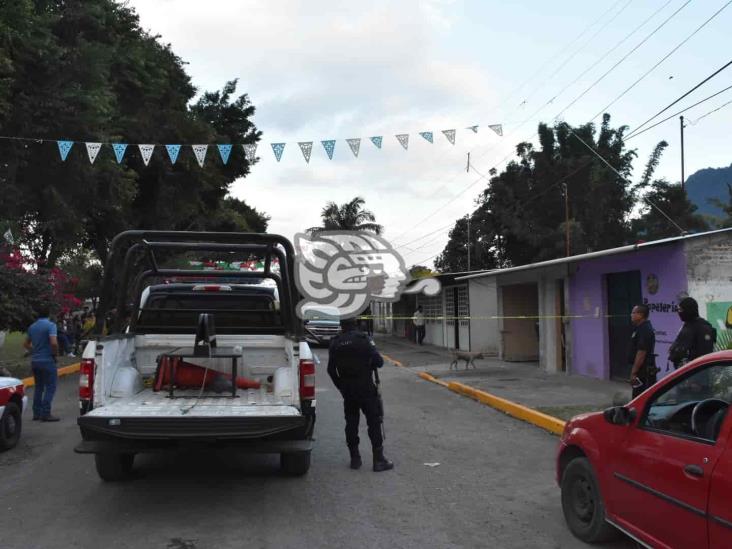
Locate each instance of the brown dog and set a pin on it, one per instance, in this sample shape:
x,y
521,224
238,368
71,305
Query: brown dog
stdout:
x,y
467,356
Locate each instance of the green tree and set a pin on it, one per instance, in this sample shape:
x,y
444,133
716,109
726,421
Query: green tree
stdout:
x,y
86,71
520,216
663,202
726,208
350,216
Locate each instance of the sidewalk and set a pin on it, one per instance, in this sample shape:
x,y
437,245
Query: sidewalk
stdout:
x,y
558,395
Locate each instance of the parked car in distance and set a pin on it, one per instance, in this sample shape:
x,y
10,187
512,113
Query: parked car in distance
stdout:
x,y
321,324
659,468
12,404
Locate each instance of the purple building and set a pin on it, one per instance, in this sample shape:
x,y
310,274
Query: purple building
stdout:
x,y
572,314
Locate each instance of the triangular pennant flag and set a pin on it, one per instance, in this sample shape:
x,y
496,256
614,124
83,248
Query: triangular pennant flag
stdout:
x,y
92,149
376,140
474,128
173,152
428,136
146,152
329,146
450,134
278,149
403,140
200,152
355,145
119,151
250,151
307,148
498,128
224,152
64,147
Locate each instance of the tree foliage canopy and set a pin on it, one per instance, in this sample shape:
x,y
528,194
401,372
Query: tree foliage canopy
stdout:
x,y
350,216
84,70
521,216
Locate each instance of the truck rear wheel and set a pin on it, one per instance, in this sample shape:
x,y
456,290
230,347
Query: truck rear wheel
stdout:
x,y
295,464
114,467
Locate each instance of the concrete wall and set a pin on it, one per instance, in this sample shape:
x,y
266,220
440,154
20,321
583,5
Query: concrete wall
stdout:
x,y
483,305
588,303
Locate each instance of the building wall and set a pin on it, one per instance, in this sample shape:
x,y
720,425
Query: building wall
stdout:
x,y
588,303
709,261
483,310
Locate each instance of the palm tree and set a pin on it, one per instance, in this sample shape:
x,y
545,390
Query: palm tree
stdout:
x,y
347,217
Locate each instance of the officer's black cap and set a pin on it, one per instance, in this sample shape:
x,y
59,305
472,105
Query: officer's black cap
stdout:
x,y
348,324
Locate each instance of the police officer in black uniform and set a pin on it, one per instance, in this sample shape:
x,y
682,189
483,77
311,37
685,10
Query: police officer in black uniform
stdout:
x,y
696,337
642,348
352,362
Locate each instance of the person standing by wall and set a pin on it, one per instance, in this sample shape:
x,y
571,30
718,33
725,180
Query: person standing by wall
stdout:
x,y
642,347
418,320
42,342
695,338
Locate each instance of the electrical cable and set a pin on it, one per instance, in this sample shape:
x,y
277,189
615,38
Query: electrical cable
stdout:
x,y
669,54
693,123
644,130
715,73
622,59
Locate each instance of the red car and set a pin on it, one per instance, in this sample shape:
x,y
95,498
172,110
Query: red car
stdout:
x,y
659,468
12,404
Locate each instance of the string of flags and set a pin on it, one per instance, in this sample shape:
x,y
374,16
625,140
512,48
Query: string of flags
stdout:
x,y
250,150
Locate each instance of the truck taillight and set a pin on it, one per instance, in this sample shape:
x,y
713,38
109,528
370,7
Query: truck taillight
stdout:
x,y
86,379
307,380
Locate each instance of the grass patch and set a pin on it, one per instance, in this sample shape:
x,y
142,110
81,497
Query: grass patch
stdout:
x,y
12,356
568,412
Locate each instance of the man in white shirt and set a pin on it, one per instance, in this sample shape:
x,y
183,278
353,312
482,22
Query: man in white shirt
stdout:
x,y
418,320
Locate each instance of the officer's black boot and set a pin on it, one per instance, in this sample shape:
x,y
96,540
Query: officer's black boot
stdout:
x,y
355,457
380,462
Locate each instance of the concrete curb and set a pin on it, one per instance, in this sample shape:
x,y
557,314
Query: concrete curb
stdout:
x,y
66,370
552,424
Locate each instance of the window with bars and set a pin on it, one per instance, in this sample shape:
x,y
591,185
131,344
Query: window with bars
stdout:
x,y
463,305
450,306
432,308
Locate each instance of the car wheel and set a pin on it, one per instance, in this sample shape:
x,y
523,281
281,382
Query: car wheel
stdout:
x,y
114,467
10,426
296,464
582,503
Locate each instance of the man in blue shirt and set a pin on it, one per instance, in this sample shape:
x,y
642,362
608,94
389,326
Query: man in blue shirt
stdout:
x,y
43,343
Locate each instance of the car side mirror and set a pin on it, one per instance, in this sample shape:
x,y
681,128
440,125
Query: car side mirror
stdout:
x,y
619,415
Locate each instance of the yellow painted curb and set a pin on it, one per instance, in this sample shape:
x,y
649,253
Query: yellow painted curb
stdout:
x,y
433,379
551,424
66,370
393,360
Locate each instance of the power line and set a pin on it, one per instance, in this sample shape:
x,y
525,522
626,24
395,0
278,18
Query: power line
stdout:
x,y
669,54
667,107
622,59
711,112
632,135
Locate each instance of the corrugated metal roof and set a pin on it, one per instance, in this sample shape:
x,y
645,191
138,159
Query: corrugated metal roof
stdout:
x,y
591,255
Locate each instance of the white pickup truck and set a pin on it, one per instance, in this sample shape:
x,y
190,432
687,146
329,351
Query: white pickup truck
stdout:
x,y
135,397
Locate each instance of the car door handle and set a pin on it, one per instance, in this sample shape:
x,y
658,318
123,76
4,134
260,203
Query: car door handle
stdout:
x,y
694,470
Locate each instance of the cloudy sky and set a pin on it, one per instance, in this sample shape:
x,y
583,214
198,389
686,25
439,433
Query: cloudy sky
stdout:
x,y
321,70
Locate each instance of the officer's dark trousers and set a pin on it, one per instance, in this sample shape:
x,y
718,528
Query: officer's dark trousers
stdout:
x,y
370,408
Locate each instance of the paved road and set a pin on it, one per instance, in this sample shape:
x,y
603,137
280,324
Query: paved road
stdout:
x,y
494,486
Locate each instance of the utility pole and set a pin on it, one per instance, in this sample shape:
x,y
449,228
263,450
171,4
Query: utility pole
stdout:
x,y
681,118
468,242
566,218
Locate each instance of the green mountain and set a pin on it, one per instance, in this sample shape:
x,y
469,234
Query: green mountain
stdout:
x,y
709,183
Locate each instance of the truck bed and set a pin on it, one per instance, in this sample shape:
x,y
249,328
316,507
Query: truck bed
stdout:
x,y
148,403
